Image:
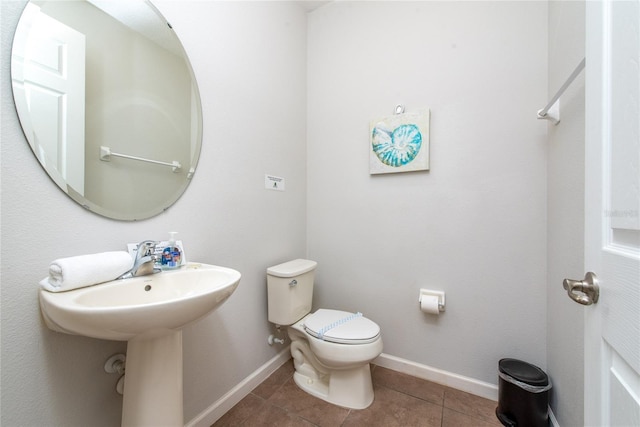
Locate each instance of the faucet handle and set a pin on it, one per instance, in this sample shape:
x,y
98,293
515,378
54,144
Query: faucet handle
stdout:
x,y
146,248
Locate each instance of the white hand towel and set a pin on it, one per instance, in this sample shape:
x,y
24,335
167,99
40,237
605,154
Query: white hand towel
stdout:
x,y
86,270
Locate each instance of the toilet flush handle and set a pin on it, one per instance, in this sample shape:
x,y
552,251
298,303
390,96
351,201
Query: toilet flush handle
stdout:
x,y
293,283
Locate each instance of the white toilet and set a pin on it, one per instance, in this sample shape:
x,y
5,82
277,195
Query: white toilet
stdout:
x,y
331,349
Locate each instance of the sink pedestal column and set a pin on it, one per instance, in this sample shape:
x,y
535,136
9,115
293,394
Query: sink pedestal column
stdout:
x,y
153,381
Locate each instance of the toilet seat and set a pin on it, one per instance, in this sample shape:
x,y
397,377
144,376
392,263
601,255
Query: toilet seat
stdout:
x,y
341,327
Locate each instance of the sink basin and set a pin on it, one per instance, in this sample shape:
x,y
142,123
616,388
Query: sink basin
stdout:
x,y
127,308
149,313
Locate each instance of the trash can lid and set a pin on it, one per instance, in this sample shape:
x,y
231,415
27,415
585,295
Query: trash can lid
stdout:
x,y
523,371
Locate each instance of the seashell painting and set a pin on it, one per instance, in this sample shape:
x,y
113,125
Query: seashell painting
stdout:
x,y
400,143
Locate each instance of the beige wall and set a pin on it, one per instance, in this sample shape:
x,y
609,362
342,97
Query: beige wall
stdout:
x,y
475,224
565,212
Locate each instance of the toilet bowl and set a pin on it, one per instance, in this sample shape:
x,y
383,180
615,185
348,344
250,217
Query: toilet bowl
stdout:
x,y
337,372
331,349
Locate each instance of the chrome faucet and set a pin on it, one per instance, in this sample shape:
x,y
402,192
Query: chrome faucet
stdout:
x,y
144,263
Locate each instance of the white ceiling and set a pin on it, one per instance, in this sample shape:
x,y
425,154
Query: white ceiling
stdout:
x,y
145,20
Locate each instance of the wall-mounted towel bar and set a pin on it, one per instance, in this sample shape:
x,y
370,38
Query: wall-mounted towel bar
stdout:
x,y
552,110
106,153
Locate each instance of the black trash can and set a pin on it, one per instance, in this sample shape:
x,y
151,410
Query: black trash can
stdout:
x,y
523,394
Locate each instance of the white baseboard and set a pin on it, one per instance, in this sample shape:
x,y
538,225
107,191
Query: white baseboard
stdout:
x,y
449,379
552,418
220,407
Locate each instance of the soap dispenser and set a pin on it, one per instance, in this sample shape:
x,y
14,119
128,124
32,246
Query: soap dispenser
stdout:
x,y
171,255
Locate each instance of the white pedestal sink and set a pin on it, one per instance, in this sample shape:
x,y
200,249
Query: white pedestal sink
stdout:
x,y
149,312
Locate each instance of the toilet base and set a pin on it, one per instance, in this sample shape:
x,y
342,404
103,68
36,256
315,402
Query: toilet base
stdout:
x,y
349,388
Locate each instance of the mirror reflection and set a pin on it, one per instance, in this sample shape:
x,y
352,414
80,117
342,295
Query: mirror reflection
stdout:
x,y
108,103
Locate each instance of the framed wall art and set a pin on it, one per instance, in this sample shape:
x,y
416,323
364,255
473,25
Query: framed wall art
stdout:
x,y
400,143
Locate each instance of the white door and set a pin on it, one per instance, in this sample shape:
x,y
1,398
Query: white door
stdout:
x,y
48,77
612,217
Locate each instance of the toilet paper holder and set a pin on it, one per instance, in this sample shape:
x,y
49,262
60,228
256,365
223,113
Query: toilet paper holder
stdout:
x,y
431,293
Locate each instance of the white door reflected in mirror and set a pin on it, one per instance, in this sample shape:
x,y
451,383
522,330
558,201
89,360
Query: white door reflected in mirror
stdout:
x,y
49,76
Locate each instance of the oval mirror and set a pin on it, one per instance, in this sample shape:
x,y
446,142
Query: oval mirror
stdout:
x,y
108,103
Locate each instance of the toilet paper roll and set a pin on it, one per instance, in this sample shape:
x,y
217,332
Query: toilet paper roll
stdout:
x,y
429,304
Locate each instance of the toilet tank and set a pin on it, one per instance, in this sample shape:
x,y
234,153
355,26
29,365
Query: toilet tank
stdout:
x,y
290,290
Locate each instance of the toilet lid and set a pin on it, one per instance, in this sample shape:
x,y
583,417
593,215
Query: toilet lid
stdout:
x,y
341,327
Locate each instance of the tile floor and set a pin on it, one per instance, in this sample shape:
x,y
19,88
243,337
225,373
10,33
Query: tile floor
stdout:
x,y
400,400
